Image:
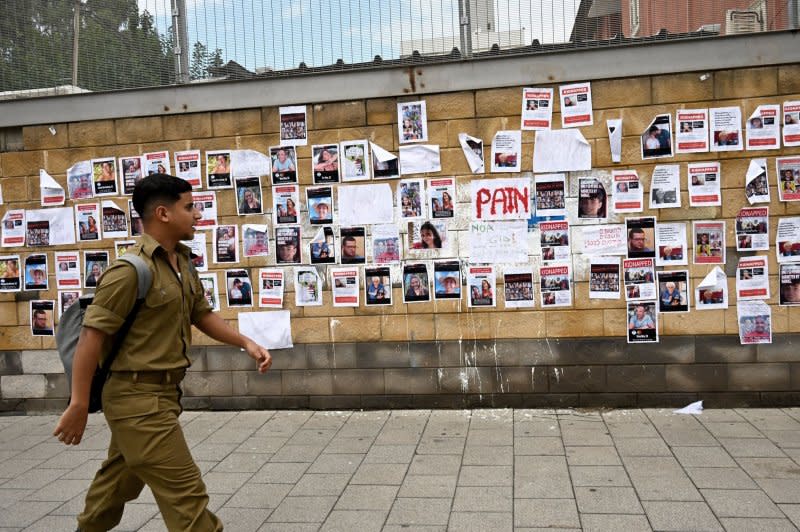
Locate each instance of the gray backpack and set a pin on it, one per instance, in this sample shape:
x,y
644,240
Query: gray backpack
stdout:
x,y
69,330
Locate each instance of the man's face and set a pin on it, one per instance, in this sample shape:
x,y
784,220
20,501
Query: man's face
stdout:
x,y
39,320
761,324
640,311
349,248
287,251
183,216
281,155
391,246
636,241
323,210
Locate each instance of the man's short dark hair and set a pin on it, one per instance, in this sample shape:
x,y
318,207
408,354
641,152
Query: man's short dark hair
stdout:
x,y
157,189
39,312
347,239
635,231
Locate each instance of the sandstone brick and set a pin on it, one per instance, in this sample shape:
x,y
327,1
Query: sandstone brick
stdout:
x,y
42,137
437,134
327,308
407,327
41,362
569,323
23,386
140,129
454,163
339,114
58,161
270,120
170,146
746,83
355,329
466,326
92,133
188,126
257,142
518,324
681,88
789,79
706,322
615,93
383,136
21,163
242,122
8,313
381,111
15,189
450,105
498,102
310,330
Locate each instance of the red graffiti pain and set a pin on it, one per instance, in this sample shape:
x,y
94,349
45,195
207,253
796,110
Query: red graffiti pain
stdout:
x,y
508,200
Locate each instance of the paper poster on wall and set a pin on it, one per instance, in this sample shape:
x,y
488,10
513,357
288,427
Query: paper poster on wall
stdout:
x,y
42,317
561,150
555,286
756,182
208,280
447,279
132,169
385,165
640,279
726,129
518,287
787,239
411,198
136,221
248,195
642,322
10,274
256,240
537,108
287,245
752,278
576,105
657,138
704,184
115,220
755,322
498,242
122,246
604,239
307,287
246,163
788,170
36,277
345,287
691,131
673,291
14,228
294,129
473,151
628,191
604,278
238,288
206,203
285,207
270,287
272,329
226,244
104,176
709,242
427,235
187,167
325,163
789,284
501,199
67,298
68,270
322,248
284,165
420,159
665,187
481,284
156,162
763,128
441,194
354,160
51,192
671,244
385,244
94,264
752,229
87,222
507,151
791,123
79,180
416,283
218,169
641,237
712,292
320,205
614,127
412,122
377,286
554,239
592,199
550,194
198,250
352,200
50,227
353,245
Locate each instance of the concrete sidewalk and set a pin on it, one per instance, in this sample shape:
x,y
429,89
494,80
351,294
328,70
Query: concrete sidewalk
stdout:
x,y
482,470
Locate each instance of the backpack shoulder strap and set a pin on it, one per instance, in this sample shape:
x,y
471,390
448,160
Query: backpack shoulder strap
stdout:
x,y
143,273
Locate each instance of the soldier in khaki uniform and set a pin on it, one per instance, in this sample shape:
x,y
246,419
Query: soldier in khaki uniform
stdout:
x,y
141,399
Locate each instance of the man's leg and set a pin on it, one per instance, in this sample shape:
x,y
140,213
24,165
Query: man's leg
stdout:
x,y
113,486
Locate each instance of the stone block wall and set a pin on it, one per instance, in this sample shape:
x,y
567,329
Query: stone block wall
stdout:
x,y
443,353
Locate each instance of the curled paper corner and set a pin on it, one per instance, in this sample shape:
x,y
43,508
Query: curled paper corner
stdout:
x,y
695,408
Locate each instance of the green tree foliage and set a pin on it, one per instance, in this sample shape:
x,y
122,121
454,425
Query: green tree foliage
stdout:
x,y
202,60
119,47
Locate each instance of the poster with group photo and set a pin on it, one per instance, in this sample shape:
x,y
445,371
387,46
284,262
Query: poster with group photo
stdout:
x,y
218,169
43,317
712,292
709,242
555,286
411,198
671,244
791,123
10,274
284,204
665,187
378,286
132,169
657,139
238,288
507,151
87,216
705,187
447,279
554,239
628,191
787,239
187,167
752,278
307,287
752,229
208,280
68,270
412,122
54,226
325,163
284,165
550,194
248,195
36,272
481,282
763,128
270,287
642,322
576,105
441,194
354,157
518,287
320,205
604,278
537,108
673,291
104,176
345,287
226,244
789,284
755,322
691,135
115,220
726,129
756,182
294,128
640,279
788,170
94,264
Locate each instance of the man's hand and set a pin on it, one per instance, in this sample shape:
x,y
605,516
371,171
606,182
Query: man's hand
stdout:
x,y
260,355
72,424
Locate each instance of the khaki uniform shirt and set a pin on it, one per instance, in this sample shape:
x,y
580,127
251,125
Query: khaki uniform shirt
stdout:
x,y
162,332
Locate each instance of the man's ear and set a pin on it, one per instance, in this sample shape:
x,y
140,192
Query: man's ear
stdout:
x,y
161,213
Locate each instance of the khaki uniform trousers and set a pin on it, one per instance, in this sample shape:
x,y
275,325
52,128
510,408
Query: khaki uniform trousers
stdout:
x,y
147,447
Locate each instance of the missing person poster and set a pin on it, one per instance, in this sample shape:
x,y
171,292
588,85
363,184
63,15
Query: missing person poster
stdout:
x,y
507,151
325,163
787,239
519,288
657,138
640,279
555,285
284,165
320,205
354,157
87,222
136,221
704,184
10,274
322,248
94,264
270,287
104,176
671,244
604,278
756,182
673,290
592,199
13,228
412,122
763,128
287,245
68,270
197,250
752,229
576,105
789,281
132,169
248,195
226,244
156,162
294,129
385,244
50,191
79,180
642,322
441,197
345,287
115,220
554,239
208,280
410,198
726,129
187,167
307,287
385,164
752,278
641,237
447,279
712,292
285,208
354,245
628,191
537,108
377,286
665,187
709,242
788,169
238,288
43,317
256,240
791,123
122,246
67,298
755,322
206,203
550,194
36,272
691,135
416,284
218,169
481,286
